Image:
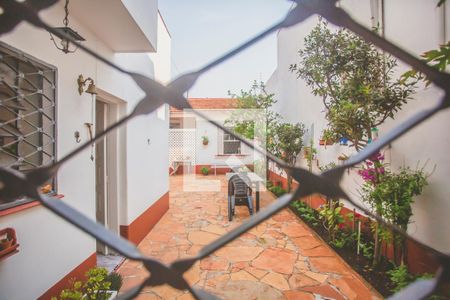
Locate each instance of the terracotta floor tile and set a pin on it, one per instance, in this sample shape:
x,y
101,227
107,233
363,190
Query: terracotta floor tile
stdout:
x,y
268,262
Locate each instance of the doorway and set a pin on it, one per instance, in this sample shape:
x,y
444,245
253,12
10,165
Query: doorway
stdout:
x,y
101,170
110,165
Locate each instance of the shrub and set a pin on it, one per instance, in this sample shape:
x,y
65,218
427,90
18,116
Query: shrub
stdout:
x,y
277,190
116,281
204,170
96,286
331,218
306,212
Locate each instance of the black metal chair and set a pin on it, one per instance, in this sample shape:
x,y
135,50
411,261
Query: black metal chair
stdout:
x,y
239,193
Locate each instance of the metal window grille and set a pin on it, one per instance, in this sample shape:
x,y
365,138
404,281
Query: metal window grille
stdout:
x,y
27,112
231,144
15,184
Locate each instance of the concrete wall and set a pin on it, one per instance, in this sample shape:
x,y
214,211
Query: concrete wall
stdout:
x,y
416,26
49,246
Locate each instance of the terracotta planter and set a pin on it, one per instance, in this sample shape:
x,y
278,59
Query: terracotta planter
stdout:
x,y
5,244
205,143
8,244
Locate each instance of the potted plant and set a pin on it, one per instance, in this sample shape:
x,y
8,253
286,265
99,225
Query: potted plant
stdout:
x,y
99,285
204,170
6,243
343,157
327,138
205,140
343,141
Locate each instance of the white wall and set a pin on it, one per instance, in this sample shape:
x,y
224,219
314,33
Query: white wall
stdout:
x,y
207,155
49,246
417,26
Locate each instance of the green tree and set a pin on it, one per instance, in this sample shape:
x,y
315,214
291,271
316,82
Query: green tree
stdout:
x,y
354,80
243,121
283,140
288,142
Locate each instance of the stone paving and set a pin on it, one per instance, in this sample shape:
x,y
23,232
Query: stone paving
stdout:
x,y
280,259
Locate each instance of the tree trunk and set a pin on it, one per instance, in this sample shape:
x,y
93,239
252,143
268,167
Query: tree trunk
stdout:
x,y
376,247
289,182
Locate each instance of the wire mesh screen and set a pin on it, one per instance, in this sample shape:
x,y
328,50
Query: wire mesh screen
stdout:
x,y
14,184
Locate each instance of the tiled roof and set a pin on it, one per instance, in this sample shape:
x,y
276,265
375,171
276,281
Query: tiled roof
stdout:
x,y
210,103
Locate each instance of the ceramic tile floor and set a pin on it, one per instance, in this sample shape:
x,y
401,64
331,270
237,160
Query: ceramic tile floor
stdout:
x,y
279,259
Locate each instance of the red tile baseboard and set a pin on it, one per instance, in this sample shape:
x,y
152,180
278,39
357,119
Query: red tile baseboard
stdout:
x,y
78,272
138,229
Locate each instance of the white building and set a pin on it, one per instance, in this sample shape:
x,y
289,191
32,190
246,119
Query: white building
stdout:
x,y
188,131
416,26
125,186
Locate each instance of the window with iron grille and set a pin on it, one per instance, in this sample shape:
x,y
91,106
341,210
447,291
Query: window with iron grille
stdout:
x,y
231,145
27,112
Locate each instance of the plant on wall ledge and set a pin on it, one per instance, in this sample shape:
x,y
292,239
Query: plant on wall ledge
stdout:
x,y
205,140
327,138
354,80
204,171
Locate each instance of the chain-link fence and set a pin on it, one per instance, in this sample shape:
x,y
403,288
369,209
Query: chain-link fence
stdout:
x,y
14,184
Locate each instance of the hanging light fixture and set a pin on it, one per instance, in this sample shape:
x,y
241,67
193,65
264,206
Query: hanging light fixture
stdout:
x,y
66,33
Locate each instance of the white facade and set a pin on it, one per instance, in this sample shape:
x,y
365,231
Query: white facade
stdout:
x,y
416,26
50,247
211,154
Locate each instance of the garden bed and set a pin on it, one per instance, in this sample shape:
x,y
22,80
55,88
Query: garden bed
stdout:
x,y
376,277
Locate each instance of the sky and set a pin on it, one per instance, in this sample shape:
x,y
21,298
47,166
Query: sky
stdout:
x,y
203,30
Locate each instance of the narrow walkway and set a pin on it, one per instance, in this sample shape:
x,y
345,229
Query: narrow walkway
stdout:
x,y
280,259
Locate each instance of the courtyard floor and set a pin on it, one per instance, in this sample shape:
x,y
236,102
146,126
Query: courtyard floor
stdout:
x,y
280,259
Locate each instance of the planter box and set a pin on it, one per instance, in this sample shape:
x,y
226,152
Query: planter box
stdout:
x,y
9,248
112,296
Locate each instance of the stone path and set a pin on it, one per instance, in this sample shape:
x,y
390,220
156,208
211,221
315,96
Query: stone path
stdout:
x,y
280,259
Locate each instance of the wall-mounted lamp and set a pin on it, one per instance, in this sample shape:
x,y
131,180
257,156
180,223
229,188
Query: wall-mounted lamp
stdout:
x,y
91,89
67,33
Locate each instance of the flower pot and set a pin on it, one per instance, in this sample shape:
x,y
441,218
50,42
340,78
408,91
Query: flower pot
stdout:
x,y
205,143
5,244
321,142
8,242
343,141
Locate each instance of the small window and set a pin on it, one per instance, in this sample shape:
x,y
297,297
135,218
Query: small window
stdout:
x,y
27,111
231,145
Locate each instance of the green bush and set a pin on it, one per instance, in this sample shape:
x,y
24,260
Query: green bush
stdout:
x,y
400,277
204,170
277,190
306,212
116,281
96,287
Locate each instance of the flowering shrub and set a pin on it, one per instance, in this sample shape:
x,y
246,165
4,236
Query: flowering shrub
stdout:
x,y
374,169
391,196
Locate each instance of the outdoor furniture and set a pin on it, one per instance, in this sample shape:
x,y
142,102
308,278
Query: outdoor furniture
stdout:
x,y
177,163
239,193
254,183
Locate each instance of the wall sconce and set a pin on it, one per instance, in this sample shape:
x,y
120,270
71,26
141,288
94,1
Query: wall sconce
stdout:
x,y
66,32
91,89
